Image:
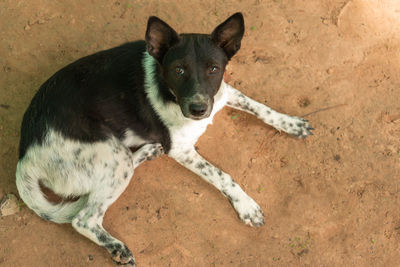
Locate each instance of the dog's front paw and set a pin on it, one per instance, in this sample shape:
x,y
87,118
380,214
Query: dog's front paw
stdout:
x,y
249,211
295,126
121,255
153,151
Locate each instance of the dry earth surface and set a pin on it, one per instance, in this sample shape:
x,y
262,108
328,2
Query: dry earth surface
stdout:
x,y
329,200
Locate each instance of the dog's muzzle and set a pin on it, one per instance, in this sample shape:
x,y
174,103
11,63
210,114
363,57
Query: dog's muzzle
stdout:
x,y
197,107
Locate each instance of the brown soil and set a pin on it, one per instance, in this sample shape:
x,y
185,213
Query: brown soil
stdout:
x,y
329,200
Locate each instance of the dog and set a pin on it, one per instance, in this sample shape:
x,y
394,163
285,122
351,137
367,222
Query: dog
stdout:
x,y
157,95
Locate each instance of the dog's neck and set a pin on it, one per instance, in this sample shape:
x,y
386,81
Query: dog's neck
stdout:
x,y
164,105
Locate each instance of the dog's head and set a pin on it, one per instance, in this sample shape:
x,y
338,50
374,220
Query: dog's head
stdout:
x,y
193,65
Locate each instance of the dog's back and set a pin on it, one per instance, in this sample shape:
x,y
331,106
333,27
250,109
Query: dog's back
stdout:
x,y
96,97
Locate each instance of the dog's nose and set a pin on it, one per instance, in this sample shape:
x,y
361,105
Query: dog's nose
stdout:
x,y
198,109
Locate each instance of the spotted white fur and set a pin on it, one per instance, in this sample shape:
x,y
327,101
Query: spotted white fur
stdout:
x,y
97,172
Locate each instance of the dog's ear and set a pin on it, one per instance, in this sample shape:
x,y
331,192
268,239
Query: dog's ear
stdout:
x,y
228,34
159,38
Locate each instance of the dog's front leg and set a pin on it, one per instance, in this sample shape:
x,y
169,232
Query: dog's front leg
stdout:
x,y
248,210
292,125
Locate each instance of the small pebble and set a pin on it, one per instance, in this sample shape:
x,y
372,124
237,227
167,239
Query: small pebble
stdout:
x,y
9,205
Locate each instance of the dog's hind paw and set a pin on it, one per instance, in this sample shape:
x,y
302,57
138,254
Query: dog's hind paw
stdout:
x,y
121,255
249,212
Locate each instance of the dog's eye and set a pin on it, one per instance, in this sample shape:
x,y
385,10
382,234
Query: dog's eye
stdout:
x,y
179,71
213,69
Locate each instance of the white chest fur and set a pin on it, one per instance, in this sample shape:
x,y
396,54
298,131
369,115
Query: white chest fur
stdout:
x,y
184,131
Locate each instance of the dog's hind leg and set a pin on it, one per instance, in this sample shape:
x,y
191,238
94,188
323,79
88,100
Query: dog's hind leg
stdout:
x,y
88,221
292,125
248,210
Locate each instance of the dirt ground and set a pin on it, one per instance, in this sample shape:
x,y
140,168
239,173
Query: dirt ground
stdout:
x,y
329,200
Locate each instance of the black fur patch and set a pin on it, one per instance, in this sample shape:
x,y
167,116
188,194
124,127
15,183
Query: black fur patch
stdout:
x,y
78,101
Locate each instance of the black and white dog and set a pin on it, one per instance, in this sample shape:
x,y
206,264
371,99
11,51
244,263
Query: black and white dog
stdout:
x,y
158,95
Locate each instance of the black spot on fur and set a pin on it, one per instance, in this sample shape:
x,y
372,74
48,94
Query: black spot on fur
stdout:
x,y
189,161
46,217
92,159
219,172
116,247
70,217
58,161
125,175
200,165
268,112
77,152
103,237
224,193
155,153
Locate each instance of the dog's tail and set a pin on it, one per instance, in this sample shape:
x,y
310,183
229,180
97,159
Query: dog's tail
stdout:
x,y
31,193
